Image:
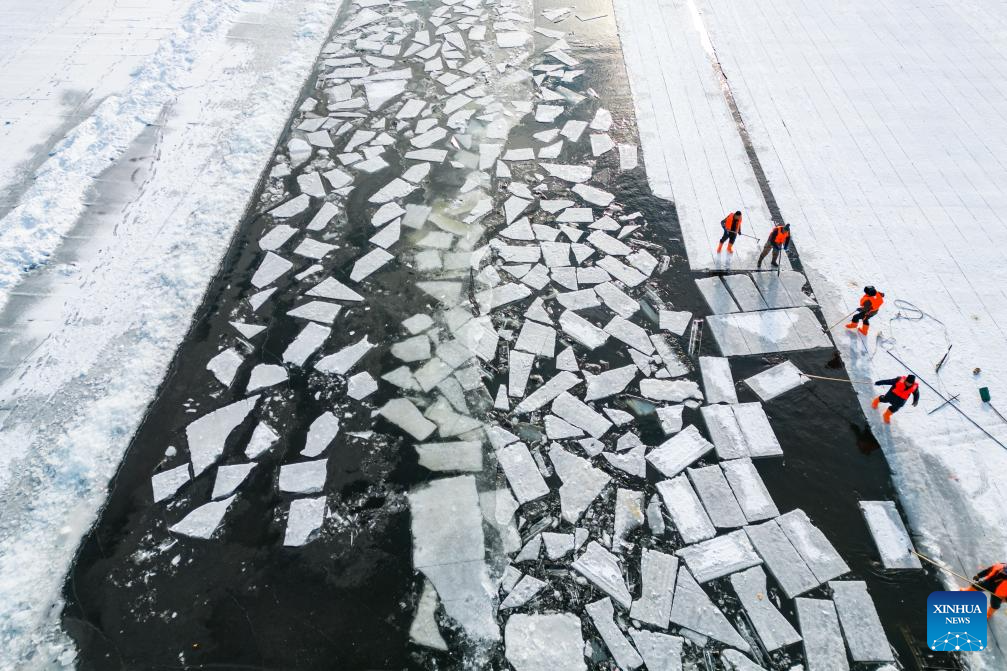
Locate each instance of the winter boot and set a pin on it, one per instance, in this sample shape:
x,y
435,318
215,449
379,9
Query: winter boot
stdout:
x,y
730,248
887,416
864,328
720,247
851,325
875,402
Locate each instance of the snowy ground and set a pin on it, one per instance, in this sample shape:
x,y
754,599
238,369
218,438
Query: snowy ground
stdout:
x,y
881,129
91,330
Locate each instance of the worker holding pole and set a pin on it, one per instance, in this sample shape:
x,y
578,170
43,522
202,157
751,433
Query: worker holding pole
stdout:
x,y
870,303
993,579
732,229
778,240
900,389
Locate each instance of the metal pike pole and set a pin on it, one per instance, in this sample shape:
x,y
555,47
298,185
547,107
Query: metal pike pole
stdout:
x,y
835,379
950,400
947,570
845,317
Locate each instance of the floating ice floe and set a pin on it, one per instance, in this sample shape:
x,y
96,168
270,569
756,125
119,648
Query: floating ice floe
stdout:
x,y
248,331
718,383
749,490
568,173
206,436
225,366
775,381
781,558
272,268
692,609
720,556
305,477
582,482
601,567
304,345
602,614
814,548
263,438
551,642
229,478
304,519
167,483
266,375
865,636
321,433
317,311
679,451
686,512
203,521
404,414
335,290
823,640
890,535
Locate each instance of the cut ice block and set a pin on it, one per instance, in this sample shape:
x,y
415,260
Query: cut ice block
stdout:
x,y
305,477
691,608
745,293
463,456
741,430
823,641
203,521
720,556
522,472
229,478
718,383
777,380
306,343
890,535
658,572
321,433
424,630
782,558
717,497
166,483
816,550
772,628
685,510
717,296
782,290
865,637
767,331
679,451
749,490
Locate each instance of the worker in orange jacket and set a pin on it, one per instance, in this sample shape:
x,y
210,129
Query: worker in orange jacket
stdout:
x,y
870,303
994,580
732,229
778,240
901,388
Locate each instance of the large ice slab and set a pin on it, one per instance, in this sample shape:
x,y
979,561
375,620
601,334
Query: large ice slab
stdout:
x,y
823,641
685,510
777,380
304,519
658,572
720,556
602,614
716,295
768,331
741,430
404,414
772,628
166,483
718,383
552,642
717,497
745,293
207,435
452,555
204,520
890,535
782,558
816,550
679,451
783,289
749,490
692,608
865,636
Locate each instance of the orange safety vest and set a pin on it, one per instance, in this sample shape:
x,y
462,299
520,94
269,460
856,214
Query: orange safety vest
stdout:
x,y
992,571
873,303
904,391
780,235
732,223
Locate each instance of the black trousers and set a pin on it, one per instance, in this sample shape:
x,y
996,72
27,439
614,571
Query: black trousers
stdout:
x,y
895,403
728,235
864,314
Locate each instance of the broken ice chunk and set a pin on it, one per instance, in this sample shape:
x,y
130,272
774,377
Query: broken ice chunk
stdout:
x,y
405,415
317,311
692,609
266,375
679,451
560,383
271,268
369,263
203,521
206,436
557,546
523,592
609,383
304,519
602,568
522,473
630,333
675,322
660,652
320,434
687,513
306,477
602,120
582,482
777,380
672,391
225,366
602,614
581,415
166,483
568,173
537,339
720,556
248,331
262,439
627,157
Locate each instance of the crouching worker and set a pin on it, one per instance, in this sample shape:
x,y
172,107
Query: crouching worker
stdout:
x,y
994,580
897,395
